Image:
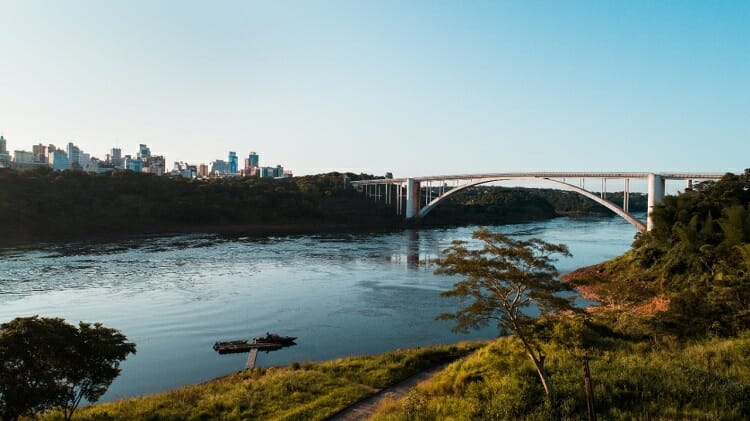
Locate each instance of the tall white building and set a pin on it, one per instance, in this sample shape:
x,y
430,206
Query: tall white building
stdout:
x,y
23,157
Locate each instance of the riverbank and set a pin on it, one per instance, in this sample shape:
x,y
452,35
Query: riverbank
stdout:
x,y
632,379
232,230
606,284
309,391
47,206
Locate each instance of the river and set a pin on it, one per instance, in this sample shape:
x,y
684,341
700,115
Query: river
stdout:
x,y
340,294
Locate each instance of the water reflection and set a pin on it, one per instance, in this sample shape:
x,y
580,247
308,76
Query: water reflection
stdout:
x,y
416,252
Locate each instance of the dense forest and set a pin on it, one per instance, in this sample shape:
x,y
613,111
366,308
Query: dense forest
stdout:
x,y
696,259
501,205
43,204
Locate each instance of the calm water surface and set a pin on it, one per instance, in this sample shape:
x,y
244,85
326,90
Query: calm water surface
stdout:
x,y
340,294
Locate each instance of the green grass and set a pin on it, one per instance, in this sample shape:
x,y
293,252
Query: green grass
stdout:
x,y
708,379
301,391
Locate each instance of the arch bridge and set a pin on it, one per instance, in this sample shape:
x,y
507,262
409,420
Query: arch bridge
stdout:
x,y
415,197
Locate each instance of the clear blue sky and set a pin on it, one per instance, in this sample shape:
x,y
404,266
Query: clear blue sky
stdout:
x,y
416,88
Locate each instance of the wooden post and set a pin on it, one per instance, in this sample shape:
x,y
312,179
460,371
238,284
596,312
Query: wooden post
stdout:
x,y
589,389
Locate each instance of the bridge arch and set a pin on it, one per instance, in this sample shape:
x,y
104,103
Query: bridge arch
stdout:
x,y
637,223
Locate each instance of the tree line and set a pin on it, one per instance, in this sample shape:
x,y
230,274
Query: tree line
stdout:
x,y
43,204
487,205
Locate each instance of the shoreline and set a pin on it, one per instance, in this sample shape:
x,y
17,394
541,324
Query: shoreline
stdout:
x,y
9,241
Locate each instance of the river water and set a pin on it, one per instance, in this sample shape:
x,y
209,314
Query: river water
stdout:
x,y
340,294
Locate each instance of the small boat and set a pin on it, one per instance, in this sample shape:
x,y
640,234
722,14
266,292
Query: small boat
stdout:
x,y
273,338
239,345
270,342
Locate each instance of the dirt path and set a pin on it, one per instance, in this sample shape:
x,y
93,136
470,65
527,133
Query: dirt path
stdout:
x,y
366,407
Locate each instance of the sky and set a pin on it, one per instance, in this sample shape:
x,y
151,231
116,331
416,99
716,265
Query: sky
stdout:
x,y
413,88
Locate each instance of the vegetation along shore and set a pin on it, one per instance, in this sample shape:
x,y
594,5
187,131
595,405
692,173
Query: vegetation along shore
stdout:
x,y
43,205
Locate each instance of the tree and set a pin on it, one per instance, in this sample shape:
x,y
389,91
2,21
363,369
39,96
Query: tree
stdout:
x,y
508,281
48,363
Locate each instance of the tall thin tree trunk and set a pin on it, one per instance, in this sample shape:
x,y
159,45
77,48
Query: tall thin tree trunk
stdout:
x,y
538,364
543,377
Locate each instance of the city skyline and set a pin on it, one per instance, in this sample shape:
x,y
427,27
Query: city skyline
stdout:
x,y
414,89
12,147
73,157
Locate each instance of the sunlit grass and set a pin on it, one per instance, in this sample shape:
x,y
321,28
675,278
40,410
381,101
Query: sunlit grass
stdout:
x,y
300,391
708,379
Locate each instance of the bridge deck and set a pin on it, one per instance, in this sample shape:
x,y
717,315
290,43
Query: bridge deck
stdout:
x,y
510,175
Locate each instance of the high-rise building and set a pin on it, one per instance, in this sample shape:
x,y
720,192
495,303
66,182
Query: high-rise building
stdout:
x,y
219,167
132,164
183,169
74,156
143,151
4,155
252,160
157,164
23,157
59,160
114,158
202,170
233,164
40,153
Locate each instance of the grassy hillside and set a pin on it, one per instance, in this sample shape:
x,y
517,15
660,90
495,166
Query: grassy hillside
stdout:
x,y
307,391
708,379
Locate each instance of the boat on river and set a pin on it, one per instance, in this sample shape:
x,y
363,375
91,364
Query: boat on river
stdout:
x,y
274,338
270,342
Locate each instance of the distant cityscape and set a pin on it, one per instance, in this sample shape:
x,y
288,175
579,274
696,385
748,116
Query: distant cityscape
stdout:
x,y
73,158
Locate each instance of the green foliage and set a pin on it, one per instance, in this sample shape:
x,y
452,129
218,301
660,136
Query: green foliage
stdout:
x,y
303,391
49,363
707,379
698,255
42,204
507,281
46,205
501,205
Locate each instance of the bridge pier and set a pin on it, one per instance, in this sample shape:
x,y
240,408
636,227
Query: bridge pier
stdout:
x,y
655,196
413,197
409,203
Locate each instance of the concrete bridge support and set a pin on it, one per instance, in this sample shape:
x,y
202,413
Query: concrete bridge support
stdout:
x,y
655,196
414,208
413,196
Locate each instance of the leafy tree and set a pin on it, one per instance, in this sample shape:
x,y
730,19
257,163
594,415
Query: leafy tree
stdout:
x,y
510,283
48,363
698,256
